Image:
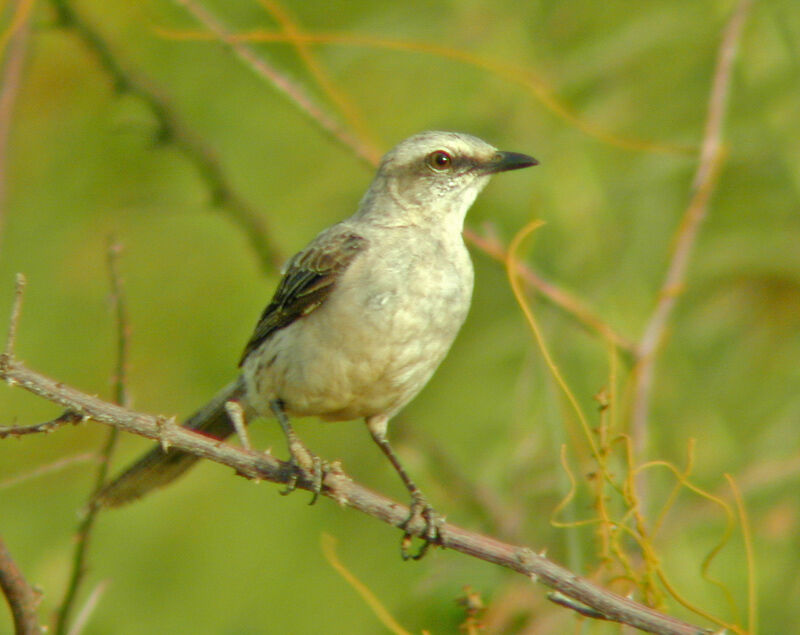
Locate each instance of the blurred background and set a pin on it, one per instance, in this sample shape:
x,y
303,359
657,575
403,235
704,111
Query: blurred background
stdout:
x,y
123,117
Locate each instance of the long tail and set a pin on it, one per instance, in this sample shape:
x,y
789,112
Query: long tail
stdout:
x,y
158,468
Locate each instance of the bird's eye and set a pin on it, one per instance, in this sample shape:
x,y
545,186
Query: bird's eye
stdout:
x,y
439,160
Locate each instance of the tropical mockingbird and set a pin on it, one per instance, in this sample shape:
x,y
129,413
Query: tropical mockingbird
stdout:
x,y
362,316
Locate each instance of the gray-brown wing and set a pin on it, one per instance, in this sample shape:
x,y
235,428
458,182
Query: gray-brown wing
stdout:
x,y
310,277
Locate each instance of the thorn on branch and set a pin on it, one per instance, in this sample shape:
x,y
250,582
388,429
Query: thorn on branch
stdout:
x,y
164,424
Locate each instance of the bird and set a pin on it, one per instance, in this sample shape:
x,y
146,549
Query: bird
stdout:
x,y
361,317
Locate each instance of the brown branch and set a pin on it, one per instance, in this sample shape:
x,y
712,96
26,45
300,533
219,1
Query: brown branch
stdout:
x,y
339,487
9,89
564,300
119,309
16,310
305,51
279,81
172,130
22,598
705,179
38,428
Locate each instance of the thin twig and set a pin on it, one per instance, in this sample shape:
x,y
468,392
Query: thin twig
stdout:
x,y
85,527
16,310
348,110
341,488
564,300
172,130
48,468
88,608
120,321
22,598
711,157
520,75
39,428
9,89
280,81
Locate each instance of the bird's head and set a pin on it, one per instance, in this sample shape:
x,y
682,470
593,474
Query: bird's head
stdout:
x,y
435,176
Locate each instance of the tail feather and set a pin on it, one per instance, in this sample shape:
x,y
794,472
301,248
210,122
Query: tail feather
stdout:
x,y
158,468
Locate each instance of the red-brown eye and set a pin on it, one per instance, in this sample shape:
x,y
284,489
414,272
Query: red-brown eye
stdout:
x,y
439,160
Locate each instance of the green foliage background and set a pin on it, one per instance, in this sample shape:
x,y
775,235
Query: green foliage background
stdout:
x,y
216,554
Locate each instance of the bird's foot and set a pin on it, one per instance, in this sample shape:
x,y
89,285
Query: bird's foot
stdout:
x,y
308,465
421,511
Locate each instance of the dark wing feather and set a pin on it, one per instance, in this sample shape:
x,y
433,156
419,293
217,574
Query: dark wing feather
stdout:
x,y
310,277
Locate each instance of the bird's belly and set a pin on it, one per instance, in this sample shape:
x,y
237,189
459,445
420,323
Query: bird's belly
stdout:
x,y
354,384
357,360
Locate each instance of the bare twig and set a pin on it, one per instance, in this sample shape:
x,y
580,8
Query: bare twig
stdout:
x,y
22,598
711,157
39,428
16,311
120,320
88,608
520,75
172,130
9,88
87,524
348,110
564,300
279,80
48,468
339,487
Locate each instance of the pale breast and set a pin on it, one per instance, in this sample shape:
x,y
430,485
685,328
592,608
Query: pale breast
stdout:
x,y
377,339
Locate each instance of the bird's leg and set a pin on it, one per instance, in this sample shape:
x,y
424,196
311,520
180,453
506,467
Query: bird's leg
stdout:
x,y
420,508
236,415
302,458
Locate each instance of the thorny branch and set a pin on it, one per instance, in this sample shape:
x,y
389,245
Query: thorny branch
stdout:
x,y
339,487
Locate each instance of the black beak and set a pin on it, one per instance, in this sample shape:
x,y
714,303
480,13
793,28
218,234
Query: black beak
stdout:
x,y
505,161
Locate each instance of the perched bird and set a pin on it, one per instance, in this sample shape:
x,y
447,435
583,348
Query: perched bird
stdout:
x,y
362,316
